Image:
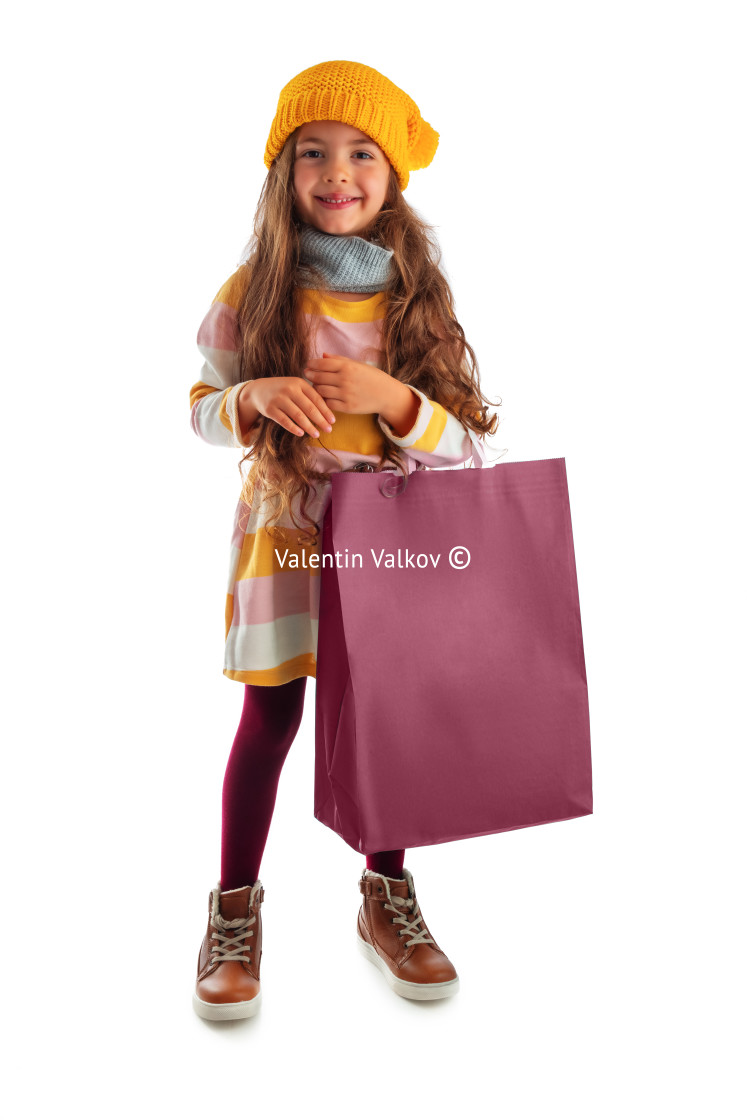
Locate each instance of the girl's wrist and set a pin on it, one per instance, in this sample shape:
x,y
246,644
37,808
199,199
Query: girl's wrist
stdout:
x,y
401,410
248,414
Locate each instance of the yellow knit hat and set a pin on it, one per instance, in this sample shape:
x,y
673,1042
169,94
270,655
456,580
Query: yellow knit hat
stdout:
x,y
360,96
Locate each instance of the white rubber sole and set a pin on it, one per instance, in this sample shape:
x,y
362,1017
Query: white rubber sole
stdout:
x,y
405,987
221,1011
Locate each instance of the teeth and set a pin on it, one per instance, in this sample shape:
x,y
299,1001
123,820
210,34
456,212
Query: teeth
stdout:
x,y
337,201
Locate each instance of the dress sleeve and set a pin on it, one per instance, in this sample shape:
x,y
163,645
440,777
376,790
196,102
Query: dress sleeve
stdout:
x,y
436,439
213,399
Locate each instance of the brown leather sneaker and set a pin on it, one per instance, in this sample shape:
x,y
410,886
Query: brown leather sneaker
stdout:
x,y
393,935
228,964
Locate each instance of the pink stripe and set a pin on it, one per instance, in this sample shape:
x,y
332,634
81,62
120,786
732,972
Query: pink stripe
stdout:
x,y
193,420
265,598
218,328
240,524
360,341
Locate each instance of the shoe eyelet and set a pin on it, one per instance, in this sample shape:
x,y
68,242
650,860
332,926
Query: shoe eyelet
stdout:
x,y
380,890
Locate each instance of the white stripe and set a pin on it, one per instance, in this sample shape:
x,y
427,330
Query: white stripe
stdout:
x,y
233,563
265,645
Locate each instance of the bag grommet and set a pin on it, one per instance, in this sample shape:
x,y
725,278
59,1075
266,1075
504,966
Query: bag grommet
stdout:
x,y
390,487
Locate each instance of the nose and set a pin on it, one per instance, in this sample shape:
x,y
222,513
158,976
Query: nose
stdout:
x,y
337,169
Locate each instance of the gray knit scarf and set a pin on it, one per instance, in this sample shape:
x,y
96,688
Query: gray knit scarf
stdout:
x,y
348,263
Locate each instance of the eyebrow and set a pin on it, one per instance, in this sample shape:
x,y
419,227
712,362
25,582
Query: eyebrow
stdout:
x,y
316,140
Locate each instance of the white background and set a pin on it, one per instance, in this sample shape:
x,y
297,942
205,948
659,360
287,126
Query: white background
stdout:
x,y
588,193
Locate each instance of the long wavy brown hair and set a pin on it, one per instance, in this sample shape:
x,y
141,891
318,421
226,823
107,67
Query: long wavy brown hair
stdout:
x,y
421,339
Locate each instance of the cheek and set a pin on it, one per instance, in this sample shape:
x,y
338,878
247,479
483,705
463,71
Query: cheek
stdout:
x,y
301,176
378,180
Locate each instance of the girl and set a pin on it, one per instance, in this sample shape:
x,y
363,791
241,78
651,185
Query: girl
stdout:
x,y
334,346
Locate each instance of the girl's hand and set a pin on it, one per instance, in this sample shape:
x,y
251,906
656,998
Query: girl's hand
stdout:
x,y
349,386
289,401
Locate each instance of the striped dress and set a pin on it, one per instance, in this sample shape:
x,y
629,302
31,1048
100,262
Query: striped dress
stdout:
x,y
272,609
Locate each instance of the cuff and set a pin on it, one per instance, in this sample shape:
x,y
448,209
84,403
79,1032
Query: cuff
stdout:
x,y
232,411
421,422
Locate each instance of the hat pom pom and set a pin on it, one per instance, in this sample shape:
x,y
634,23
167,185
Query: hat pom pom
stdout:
x,y
424,148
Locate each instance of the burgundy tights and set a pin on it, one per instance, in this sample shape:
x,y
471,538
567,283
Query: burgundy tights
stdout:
x,y
269,722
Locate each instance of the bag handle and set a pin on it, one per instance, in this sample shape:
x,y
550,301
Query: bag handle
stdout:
x,y
480,459
391,487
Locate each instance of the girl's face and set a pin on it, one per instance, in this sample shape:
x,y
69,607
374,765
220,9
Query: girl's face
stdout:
x,y
336,160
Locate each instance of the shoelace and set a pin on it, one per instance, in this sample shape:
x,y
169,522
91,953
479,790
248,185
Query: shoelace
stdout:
x,y
231,948
419,936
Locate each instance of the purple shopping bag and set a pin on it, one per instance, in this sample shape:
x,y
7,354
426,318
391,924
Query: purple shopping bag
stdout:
x,y
451,695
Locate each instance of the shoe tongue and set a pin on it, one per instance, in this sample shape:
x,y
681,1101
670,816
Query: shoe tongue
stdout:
x,y
399,889
235,904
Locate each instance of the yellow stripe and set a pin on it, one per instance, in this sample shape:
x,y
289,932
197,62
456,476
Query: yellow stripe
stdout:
x,y
343,310
302,666
232,292
351,431
198,391
431,437
312,302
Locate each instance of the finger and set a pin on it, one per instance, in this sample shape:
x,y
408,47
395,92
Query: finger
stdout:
x,y
324,365
324,390
318,417
320,408
318,378
295,420
284,420
310,395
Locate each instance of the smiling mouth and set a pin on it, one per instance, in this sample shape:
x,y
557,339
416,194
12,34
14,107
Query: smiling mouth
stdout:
x,y
336,201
